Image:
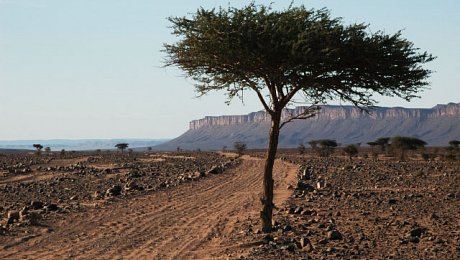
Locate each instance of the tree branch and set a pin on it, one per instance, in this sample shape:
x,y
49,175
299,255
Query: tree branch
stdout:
x,y
309,112
262,100
272,91
254,87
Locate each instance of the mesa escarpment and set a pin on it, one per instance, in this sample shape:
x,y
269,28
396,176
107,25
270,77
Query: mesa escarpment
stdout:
x,y
347,124
335,113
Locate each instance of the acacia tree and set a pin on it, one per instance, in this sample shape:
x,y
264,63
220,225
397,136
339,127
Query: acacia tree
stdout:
x,y
404,143
240,147
454,143
351,150
291,55
121,146
382,142
39,148
313,144
301,148
326,146
452,149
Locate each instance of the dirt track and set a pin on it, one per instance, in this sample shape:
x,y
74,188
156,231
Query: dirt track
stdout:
x,y
193,220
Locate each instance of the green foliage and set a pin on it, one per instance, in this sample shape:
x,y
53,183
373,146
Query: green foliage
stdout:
x,y
404,143
407,143
326,146
453,150
39,148
240,147
313,144
301,148
121,146
372,143
382,142
327,143
294,50
454,143
290,54
351,150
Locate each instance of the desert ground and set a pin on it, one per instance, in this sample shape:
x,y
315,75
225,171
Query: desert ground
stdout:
x,y
205,205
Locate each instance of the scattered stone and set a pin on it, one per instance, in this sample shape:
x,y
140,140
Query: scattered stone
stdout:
x,y
131,185
414,239
305,244
36,204
115,190
321,184
308,212
392,201
416,232
298,210
323,241
215,170
304,186
334,235
268,238
287,228
289,247
13,216
51,207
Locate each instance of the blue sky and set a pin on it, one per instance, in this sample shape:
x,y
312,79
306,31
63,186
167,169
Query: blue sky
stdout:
x,y
93,68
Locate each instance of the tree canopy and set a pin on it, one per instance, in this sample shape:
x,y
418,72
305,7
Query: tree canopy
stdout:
x,y
351,150
292,55
454,143
382,142
326,146
121,146
38,146
291,51
407,143
404,143
240,147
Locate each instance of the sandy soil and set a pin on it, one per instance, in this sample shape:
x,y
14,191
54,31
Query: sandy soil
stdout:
x,y
193,220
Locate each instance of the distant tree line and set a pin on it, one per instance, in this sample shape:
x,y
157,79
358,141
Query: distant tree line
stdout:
x,y
392,146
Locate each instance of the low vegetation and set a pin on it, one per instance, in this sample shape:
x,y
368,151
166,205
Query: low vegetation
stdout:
x,y
240,147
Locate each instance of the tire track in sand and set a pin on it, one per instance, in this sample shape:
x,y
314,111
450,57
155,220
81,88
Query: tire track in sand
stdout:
x,y
192,220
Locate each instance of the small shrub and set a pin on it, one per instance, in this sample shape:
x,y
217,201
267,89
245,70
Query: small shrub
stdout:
x,y
240,147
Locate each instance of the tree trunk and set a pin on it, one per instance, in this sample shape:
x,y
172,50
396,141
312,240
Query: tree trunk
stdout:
x,y
403,155
267,199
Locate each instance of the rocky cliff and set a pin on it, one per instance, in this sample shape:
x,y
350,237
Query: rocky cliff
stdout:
x,y
334,113
346,124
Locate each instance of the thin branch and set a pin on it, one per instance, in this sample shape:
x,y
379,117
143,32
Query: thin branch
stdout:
x,y
262,100
272,90
279,88
253,86
309,112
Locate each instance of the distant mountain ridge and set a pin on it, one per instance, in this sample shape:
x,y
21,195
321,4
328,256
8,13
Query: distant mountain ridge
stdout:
x,y
346,124
80,144
334,113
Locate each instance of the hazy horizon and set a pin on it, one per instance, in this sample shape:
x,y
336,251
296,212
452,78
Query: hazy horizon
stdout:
x,y
80,144
93,69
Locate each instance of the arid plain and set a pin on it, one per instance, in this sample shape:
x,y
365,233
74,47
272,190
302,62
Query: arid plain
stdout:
x,y
206,205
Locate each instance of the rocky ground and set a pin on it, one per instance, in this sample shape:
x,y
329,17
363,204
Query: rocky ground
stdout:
x,y
367,209
205,205
33,188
